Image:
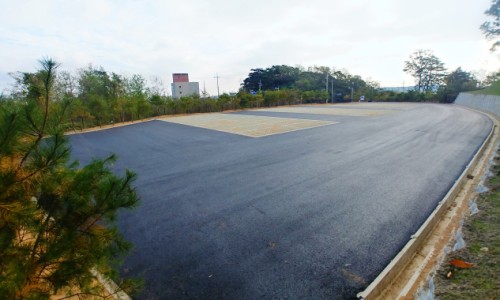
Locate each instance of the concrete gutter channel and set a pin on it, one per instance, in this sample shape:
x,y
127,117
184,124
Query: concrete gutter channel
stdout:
x,y
412,267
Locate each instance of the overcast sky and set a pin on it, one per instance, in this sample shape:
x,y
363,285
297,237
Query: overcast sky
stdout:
x,y
203,38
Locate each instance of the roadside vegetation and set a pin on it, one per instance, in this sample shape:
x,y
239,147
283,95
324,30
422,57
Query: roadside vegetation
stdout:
x,y
56,217
493,89
94,97
474,271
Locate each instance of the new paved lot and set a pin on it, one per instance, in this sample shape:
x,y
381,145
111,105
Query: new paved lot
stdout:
x,y
314,213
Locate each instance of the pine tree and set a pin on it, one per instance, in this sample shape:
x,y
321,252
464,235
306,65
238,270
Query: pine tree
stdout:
x,y
492,28
56,219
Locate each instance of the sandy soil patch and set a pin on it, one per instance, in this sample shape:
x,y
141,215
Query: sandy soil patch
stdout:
x,y
251,126
378,105
331,110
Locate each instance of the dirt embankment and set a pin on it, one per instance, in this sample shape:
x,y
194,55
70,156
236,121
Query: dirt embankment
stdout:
x,y
479,276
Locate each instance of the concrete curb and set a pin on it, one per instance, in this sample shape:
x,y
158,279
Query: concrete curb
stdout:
x,y
110,286
402,259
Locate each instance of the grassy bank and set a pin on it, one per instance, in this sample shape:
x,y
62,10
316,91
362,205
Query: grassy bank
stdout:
x,y
482,237
493,89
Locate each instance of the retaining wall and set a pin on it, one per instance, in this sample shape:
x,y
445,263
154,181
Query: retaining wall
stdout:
x,y
488,103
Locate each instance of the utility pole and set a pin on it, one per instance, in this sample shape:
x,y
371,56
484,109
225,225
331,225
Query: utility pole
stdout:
x,y
217,77
260,86
204,93
326,87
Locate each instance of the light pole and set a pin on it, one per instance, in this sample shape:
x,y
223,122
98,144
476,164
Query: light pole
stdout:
x,y
333,98
326,87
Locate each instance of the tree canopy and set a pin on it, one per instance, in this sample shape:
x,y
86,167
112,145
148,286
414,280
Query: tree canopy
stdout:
x,y
275,77
456,82
427,69
338,87
492,28
56,218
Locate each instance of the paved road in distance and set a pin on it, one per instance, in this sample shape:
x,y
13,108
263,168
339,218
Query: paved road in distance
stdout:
x,y
314,213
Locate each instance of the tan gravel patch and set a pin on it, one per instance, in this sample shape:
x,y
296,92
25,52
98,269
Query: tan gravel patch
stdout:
x,y
252,126
378,105
331,110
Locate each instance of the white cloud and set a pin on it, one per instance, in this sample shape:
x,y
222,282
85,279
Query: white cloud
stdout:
x,y
157,38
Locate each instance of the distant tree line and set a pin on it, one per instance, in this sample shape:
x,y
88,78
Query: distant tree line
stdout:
x,y
96,97
433,83
314,84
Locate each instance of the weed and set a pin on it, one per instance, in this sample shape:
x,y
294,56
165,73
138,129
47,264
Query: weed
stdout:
x,y
482,236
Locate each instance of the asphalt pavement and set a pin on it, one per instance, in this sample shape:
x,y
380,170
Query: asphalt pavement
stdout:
x,y
310,214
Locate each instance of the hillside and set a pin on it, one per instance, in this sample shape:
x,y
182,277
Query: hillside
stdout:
x,y
493,89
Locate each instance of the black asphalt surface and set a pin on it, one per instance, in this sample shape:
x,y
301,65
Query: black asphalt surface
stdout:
x,y
311,214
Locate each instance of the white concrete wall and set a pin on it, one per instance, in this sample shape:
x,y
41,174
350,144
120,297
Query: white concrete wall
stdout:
x,y
184,89
194,88
488,103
